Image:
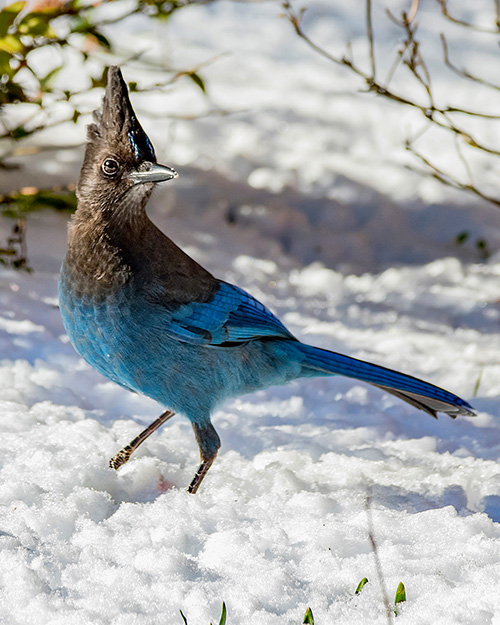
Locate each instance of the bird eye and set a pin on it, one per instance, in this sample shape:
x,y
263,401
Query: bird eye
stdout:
x,y
110,167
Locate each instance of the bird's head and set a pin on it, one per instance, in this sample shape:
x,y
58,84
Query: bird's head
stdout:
x,y
119,167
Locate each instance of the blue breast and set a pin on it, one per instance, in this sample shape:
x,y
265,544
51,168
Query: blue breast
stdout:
x,y
124,337
95,328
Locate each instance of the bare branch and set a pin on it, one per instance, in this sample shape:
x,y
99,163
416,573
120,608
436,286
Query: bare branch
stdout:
x,y
369,30
410,56
462,72
397,61
444,10
448,179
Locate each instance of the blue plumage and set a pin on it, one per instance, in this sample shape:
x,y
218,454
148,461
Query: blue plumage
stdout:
x,y
231,316
148,317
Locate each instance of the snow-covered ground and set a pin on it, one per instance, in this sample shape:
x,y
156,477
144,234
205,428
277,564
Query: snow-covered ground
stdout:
x,y
349,262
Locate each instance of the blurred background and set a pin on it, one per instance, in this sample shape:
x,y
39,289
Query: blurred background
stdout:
x,y
358,135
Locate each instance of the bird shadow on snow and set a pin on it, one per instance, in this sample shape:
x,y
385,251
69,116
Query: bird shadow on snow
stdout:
x,y
401,499
335,415
351,235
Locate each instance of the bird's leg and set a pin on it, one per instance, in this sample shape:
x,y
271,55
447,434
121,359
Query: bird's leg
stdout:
x,y
200,474
123,456
209,443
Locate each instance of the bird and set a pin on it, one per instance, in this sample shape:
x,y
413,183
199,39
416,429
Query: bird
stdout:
x,y
150,318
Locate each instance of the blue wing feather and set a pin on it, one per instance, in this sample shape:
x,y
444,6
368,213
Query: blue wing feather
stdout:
x,y
231,316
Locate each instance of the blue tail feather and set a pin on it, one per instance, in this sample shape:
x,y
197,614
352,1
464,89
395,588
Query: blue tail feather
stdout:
x,y
421,394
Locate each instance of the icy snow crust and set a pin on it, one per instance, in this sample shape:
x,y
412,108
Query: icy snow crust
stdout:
x,y
280,522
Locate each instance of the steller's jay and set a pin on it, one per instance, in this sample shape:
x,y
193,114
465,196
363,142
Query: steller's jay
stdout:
x,y
148,317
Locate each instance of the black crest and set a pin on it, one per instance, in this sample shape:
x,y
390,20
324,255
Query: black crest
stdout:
x,y
117,120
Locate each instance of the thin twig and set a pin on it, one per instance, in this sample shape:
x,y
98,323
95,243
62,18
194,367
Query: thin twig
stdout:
x,y
397,61
378,565
428,110
443,117
465,163
369,31
482,29
448,179
463,73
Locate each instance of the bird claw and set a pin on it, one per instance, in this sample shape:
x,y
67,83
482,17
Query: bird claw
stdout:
x,y
122,457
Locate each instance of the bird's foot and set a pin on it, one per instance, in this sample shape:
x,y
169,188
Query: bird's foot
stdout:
x,y
121,457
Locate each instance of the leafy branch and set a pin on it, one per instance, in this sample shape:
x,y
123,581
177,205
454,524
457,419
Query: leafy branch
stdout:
x,y
33,100
63,26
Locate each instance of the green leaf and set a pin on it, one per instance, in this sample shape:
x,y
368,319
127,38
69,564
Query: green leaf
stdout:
x,y
400,594
361,585
17,7
80,25
102,81
197,81
10,44
308,617
400,597
5,67
223,615
100,37
183,618
19,133
483,248
20,203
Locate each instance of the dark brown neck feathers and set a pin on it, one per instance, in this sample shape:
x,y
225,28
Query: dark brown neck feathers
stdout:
x,y
105,254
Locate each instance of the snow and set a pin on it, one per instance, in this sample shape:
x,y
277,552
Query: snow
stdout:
x,y
354,254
